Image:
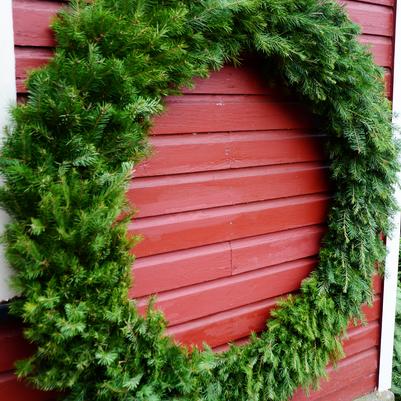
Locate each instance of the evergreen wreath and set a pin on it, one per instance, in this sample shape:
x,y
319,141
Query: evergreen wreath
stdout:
x,y
68,157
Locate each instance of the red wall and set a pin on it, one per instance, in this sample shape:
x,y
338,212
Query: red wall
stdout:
x,y
231,205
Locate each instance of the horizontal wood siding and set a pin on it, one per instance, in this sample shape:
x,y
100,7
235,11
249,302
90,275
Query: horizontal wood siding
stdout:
x,y
33,38
231,206
176,154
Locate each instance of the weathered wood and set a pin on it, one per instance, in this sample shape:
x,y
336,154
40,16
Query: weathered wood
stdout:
x,y
235,324
266,250
205,299
215,113
361,386
368,16
381,48
175,154
172,270
180,269
27,59
349,371
247,80
224,327
153,196
32,20
389,3
203,227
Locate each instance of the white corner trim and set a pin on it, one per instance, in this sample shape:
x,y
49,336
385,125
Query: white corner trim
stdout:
x,y
8,93
393,241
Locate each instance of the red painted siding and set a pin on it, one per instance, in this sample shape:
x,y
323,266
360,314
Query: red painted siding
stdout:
x,y
34,39
14,347
231,206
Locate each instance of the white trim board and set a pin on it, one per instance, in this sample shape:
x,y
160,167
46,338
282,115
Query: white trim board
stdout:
x,y
8,94
393,241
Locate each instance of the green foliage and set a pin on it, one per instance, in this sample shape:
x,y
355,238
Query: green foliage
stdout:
x,y
67,159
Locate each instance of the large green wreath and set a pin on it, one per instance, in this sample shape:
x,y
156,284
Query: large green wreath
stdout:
x,y
67,161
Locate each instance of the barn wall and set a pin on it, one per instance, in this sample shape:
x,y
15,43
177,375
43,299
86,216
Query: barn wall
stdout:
x,y
231,205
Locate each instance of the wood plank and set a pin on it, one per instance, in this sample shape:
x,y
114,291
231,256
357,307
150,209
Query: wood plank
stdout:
x,y
185,192
245,340
374,19
215,113
360,387
32,20
193,302
12,345
27,59
358,342
381,48
248,79
270,249
174,154
167,271
12,389
275,147
245,80
372,312
389,3
224,327
179,269
377,284
192,229
348,372
362,338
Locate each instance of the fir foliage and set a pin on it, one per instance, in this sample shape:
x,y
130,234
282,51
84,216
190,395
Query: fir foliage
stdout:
x,y
67,160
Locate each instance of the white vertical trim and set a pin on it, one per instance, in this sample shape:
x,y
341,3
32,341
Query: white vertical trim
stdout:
x,y
7,99
393,241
